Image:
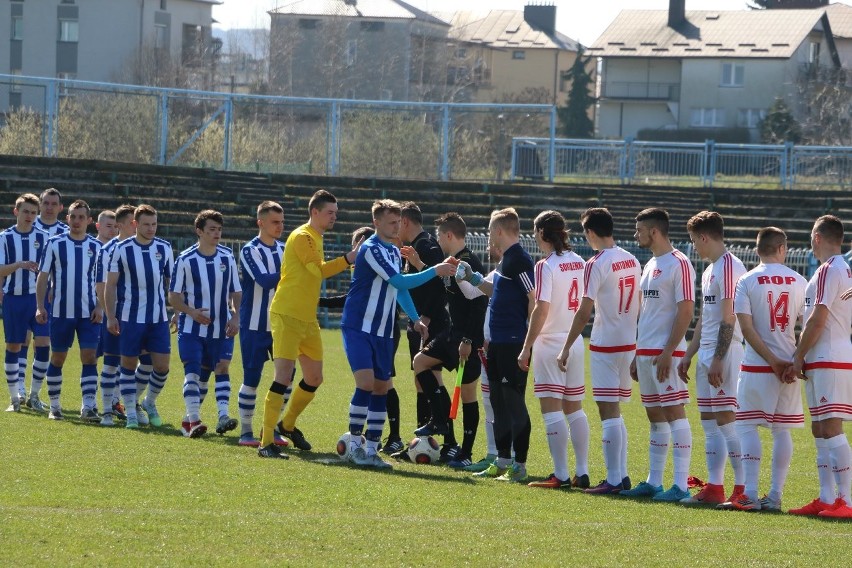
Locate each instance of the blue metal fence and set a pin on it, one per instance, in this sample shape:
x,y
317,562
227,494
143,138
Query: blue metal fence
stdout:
x,y
677,163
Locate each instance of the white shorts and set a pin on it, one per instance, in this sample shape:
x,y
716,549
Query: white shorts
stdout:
x,y
723,398
765,401
611,380
549,381
829,393
670,392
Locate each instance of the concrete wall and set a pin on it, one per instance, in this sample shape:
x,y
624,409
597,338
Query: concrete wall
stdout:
x,y
622,119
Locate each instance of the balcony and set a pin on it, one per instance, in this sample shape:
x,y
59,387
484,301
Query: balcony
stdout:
x,y
640,91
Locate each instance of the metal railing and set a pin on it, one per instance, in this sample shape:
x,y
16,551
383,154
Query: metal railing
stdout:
x,y
640,90
705,164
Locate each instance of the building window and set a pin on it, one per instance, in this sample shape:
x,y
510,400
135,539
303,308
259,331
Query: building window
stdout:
x,y
308,24
813,52
372,26
351,52
163,5
161,36
707,117
461,53
750,117
17,27
69,30
732,75
67,2
519,54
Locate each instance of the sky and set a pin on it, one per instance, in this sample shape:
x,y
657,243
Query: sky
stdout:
x,y
583,21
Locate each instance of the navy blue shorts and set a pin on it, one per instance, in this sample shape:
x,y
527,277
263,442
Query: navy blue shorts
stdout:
x,y
368,351
19,318
109,343
225,353
63,330
138,337
256,347
195,351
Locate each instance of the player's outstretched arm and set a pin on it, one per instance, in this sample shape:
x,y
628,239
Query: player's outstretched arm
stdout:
x,y
41,293
691,350
7,269
309,255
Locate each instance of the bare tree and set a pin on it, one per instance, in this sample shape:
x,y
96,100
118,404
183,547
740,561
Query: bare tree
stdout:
x,y
824,101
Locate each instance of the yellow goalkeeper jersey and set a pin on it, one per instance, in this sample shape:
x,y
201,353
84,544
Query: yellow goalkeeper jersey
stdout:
x,y
302,272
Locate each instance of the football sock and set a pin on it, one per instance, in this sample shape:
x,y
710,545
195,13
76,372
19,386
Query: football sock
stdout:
x,y
393,415
192,397
490,444
827,492
681,451
271,413
223,393
155,385
623,447
358,411
376,416
54,385
715,451
470,424
611,439
127,386
143,374
658,451
841,465
752,454
11,367
578,427
556,430
89,386
22,370
204,383
302,396
782,455
424,413
246,400
444,416
429,384
109,377
41,359
732,442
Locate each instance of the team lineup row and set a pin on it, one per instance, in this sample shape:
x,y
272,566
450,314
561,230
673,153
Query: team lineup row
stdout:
x,y
111,293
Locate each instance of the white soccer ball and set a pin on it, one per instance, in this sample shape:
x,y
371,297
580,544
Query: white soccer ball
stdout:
x,y
424,450
343,446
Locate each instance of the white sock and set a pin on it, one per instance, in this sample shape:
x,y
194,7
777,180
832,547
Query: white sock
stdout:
x,y
578,426
715,451
612,442
658,451
192,397
491,444
827,491
782,455
681,451
752,454
841,464
735,454
246,402
623,456
556,430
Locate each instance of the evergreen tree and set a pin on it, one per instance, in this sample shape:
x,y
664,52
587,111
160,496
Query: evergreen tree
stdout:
x,y
779,125
574,116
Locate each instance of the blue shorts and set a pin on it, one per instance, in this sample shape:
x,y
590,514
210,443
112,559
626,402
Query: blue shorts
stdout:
x,y
256,347
138,337
19,318
225,353
195,351
368,351
109,344
63,330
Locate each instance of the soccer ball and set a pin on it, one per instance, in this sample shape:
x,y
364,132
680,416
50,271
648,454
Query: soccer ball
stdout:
x,y
343,448
424,450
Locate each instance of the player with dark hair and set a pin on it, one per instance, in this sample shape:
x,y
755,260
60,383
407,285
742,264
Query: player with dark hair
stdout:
x,y
668,302
559,277
823,358
611,288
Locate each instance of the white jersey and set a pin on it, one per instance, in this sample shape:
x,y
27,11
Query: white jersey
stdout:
x,y
667,280
718,283
832,349
774,296
612,282
558,280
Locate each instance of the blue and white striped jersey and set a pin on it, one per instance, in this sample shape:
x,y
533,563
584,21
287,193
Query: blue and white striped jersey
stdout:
x,y
17,247
52,230
72,265
261,266
104,258
206,282
371,301
142,272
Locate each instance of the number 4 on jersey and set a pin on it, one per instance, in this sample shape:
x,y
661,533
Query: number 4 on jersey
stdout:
x,y
779,311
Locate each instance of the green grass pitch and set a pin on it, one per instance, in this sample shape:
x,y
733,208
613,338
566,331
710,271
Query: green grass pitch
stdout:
x,y
79,494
